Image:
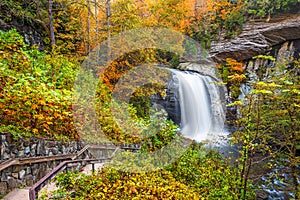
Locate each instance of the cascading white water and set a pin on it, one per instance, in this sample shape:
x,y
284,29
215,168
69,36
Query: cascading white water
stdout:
x,y
202,113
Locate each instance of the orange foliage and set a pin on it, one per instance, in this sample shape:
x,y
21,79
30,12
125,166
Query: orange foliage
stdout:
x,y
213,9
234,65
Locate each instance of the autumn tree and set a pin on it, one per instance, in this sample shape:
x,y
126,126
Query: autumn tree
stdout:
x,y
268,125
216,19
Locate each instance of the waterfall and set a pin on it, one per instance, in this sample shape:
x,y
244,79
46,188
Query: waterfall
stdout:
x,y
202,112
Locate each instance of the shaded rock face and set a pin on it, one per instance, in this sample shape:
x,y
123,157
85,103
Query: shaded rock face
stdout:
x,y
258,69
279,38
170,103
258,38
32,31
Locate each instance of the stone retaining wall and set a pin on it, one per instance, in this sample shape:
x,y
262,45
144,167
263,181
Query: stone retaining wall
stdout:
x,y
26,175
33,147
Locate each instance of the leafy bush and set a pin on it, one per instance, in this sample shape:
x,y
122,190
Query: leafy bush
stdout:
x,y
36,88
112,184
198,174
208,174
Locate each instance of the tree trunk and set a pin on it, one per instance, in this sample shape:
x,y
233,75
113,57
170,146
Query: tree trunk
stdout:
x,y
96,18
108,15
88,49
51,23
38,11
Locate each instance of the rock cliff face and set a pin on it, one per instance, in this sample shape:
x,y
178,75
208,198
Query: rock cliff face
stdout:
x,y
257,38
279,38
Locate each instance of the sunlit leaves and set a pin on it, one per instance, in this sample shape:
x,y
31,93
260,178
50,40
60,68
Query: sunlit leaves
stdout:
x,y
113,184
36,90
268,121
266,8
232,73
198,174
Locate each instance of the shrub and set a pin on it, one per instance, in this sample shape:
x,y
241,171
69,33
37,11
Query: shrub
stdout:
x,y
36,88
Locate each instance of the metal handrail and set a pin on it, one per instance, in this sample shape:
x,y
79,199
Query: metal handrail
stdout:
x,y
8,163
33,191
81,152
23,161
69,158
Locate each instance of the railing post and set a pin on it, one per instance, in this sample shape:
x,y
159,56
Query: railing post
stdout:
x,y
32,194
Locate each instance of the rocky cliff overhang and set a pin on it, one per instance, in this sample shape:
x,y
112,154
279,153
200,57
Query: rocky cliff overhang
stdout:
x,y
257,38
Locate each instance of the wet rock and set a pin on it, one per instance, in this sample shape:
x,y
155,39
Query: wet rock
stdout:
x,y
3,177
26,143
35,170
64,149
50,144
55,151
28,170
33,146
5,156
21,154
16,168
261,195
204,67
13,149
20,147
9,138
2,150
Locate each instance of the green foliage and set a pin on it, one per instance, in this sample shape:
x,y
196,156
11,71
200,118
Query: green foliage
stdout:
x,y
11,41
208,174
158,132
221,19
266,8
20,10
198,174
69,33
269,124
67,180
15,131
125,9
112,184
36,88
